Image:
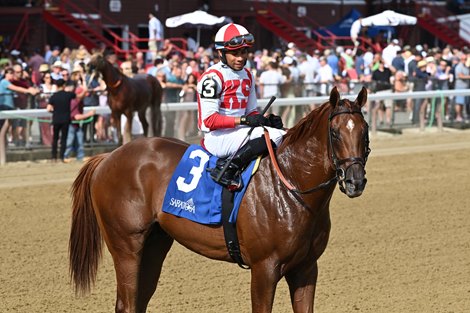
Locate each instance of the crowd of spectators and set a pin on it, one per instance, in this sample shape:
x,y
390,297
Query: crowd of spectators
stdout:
x,y
285,73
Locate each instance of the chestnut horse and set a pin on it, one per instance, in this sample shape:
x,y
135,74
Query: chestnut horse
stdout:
x,y
127,95
282,231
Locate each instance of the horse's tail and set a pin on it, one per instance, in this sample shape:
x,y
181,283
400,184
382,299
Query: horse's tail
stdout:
x,y
85,238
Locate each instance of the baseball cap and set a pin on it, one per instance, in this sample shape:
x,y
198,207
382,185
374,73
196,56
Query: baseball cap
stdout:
x,y
287,60
57,63
44,67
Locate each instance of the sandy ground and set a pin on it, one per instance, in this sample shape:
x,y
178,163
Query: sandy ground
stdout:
x,y
403,246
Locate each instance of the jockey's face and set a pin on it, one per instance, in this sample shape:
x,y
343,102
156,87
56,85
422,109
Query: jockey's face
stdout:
x,y
236,59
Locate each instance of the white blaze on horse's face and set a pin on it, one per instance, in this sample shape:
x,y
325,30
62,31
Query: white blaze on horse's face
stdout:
x,y
350,125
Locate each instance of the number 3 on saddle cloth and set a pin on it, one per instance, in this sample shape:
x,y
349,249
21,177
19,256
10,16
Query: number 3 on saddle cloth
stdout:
x,y
194,195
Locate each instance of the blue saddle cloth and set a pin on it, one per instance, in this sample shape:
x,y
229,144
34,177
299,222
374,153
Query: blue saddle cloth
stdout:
x,y
194,195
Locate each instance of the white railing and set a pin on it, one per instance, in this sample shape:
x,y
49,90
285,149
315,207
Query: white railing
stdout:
x,y
301,101
183,106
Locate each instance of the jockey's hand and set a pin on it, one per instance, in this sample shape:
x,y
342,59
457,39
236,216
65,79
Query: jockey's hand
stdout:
x,y
275,121
254,120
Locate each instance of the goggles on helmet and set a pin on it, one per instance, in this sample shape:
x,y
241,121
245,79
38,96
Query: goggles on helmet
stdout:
x,y
238,42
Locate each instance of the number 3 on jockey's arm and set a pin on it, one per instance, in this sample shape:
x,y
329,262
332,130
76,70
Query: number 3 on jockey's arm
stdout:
x,y
209,88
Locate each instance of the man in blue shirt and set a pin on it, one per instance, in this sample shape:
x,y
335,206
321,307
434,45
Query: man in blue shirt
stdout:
x,y
398,62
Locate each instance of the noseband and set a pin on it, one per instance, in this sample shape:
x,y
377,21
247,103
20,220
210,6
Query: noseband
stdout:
x,y
340,171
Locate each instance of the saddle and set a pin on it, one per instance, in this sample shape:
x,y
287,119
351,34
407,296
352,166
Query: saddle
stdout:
x,y
194,195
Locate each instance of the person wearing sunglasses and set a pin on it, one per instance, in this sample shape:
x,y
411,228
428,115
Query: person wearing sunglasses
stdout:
x,y
227,108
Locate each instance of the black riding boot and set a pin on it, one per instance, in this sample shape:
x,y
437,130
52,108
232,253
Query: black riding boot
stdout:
x,y
231,178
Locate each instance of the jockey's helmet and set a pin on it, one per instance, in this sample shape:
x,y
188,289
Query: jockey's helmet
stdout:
x,y
232,37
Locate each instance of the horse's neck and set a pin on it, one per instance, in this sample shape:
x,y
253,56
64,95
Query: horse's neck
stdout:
x,y
110,75
307,159
307,155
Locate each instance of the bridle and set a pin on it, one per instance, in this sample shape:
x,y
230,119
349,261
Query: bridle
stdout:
x,y
101,63
339,170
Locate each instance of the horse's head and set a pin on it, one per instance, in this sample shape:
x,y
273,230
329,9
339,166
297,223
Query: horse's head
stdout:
x,y
97,62
348,137
111,75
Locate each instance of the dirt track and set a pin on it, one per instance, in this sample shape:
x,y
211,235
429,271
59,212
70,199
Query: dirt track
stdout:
x,y
403,246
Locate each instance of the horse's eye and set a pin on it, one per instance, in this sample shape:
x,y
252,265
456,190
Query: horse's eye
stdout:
x,y
335,134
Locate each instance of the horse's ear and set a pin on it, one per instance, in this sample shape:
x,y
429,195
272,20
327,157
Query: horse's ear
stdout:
x,y
362,97
334,97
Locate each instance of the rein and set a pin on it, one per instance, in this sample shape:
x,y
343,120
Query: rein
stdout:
x,y
282,177
104,66
340,172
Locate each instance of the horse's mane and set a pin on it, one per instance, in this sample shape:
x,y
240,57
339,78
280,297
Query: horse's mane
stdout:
x,y
306,126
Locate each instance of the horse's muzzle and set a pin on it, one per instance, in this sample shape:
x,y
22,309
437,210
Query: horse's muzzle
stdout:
x,y
354,181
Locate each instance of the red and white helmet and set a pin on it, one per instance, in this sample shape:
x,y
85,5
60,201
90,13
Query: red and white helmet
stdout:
x,y
232,37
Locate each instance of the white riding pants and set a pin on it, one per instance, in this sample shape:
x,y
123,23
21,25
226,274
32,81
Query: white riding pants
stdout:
x,y
225,142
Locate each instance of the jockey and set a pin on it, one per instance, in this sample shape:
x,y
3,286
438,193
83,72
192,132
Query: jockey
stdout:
x,y
227,107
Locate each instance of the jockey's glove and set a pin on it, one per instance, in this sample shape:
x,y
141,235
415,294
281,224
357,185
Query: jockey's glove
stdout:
x,y
275,121
254,120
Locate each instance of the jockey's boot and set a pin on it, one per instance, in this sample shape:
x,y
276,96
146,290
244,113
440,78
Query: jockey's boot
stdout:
x,y
231,178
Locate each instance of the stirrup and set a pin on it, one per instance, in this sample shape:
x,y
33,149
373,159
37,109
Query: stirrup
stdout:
x,y
232,181
234,184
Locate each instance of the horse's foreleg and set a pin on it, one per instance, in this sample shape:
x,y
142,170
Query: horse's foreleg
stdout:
x,y
127,136
117,125
264,279
302,282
